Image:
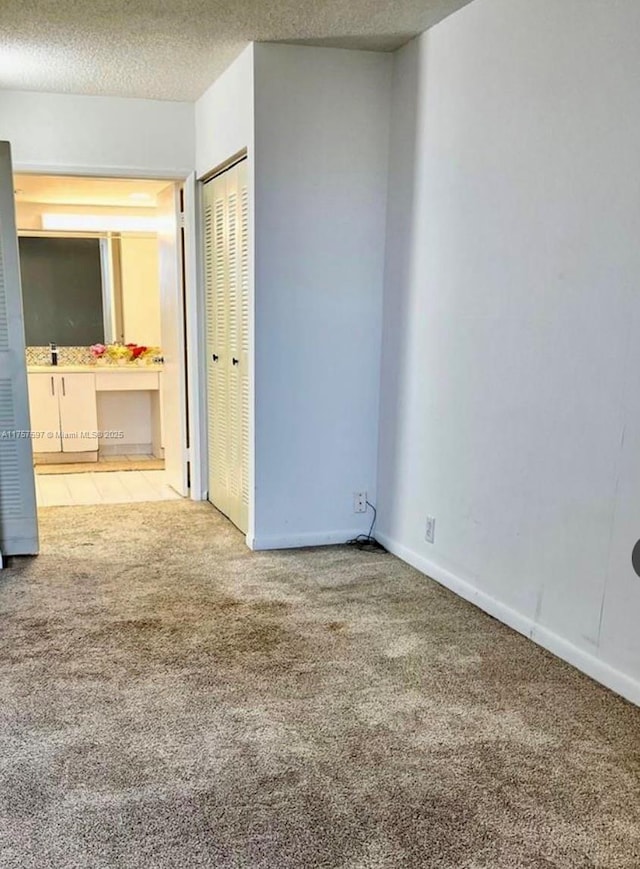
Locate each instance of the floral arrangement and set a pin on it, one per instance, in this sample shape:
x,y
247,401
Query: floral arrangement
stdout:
x,y
121,354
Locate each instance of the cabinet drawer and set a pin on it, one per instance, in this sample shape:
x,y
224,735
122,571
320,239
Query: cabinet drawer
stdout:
x,y
123,381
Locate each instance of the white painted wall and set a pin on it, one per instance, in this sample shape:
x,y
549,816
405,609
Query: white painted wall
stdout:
x,y
130,413
224,122
224,115
510,404
141,290
58,132
321,153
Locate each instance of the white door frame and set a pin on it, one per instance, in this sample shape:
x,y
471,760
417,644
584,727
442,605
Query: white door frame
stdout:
x,y
192,372
173,386
194,302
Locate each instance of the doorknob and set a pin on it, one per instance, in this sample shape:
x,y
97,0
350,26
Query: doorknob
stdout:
x,y
215,357
235,361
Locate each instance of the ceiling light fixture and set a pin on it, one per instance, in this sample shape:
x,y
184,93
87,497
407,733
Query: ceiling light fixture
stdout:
x,y
99,223
12,61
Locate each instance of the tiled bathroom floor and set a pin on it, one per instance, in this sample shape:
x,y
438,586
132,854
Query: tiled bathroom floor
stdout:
x,y
107,464
119,487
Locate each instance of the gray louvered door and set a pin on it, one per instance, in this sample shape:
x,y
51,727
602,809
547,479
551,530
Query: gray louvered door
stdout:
x,y
18,517
226,255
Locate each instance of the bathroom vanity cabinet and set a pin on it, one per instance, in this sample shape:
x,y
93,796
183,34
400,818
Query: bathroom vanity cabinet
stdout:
x,y
78,411
64,416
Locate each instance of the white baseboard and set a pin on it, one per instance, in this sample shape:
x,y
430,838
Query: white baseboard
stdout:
x,y
584,661
300,541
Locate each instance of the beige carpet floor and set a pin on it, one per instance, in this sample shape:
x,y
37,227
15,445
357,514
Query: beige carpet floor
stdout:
x,y
171,700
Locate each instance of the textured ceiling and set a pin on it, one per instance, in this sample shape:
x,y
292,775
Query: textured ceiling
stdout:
x,y
173,49
61,190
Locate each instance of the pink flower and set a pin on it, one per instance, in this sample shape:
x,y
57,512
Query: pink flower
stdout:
x,y
97,350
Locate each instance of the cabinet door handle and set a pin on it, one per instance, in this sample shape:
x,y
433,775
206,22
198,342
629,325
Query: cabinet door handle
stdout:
x,y
64,391
235,361
53,388
215,357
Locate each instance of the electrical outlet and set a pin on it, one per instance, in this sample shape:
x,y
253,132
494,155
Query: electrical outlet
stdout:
x,y
430,530
359,502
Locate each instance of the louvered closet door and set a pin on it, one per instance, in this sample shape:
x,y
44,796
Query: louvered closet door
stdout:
x,y
225,202
233,340
18,520
242,371
216,329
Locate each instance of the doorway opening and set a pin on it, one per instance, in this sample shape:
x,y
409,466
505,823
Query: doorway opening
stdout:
x,y
102,265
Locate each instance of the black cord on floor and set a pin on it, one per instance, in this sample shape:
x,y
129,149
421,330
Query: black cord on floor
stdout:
x,y
367,542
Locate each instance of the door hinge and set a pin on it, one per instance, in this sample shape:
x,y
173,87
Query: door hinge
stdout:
x,y
181,220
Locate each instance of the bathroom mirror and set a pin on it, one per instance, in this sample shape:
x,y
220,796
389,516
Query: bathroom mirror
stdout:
x,y
66,290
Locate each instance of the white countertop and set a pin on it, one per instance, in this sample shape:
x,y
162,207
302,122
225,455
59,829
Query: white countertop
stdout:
x,y
91,369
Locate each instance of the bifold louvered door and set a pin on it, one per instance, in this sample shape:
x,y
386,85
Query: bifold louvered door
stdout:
x,y
226,250
18,520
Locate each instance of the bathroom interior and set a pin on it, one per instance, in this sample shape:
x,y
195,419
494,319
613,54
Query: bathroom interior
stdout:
x,y
90,267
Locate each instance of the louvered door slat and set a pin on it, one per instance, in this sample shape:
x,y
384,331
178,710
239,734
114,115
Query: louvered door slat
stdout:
x,y
233,262
217,381
243,385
